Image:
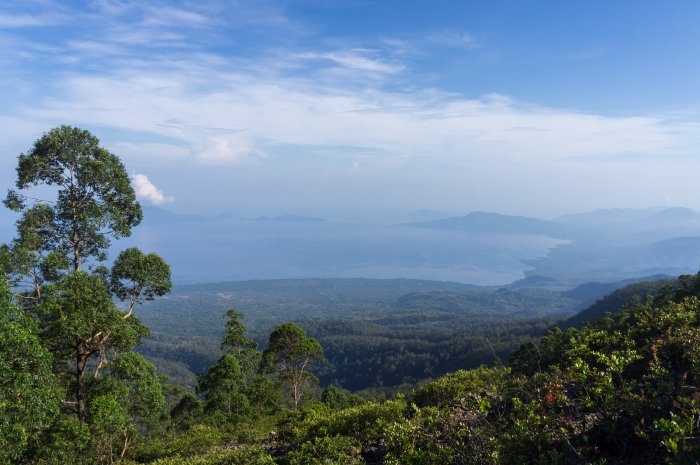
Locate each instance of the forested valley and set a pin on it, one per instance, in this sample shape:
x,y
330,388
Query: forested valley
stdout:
x,y
104,361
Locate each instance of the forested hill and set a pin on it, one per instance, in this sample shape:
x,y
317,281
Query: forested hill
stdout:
x,y
392,331
374,332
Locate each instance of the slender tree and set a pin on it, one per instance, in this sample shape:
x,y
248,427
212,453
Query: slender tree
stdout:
x,y
290,353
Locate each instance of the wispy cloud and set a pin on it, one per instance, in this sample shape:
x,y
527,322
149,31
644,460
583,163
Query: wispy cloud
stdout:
x,y
177,17
355,59
279,111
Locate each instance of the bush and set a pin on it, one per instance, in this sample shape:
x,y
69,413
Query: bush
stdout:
x,y
362,422
198,440
336,450
250,455
452,388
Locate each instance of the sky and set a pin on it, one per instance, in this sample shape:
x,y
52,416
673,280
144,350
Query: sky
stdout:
x,y
347,107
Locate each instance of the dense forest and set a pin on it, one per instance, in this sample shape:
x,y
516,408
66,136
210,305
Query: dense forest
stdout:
x,y
406,373
375,333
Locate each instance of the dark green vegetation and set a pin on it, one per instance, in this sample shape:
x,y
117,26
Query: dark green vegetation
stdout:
x,y
374,332
623,388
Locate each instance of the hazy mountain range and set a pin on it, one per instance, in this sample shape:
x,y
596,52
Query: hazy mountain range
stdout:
x,y
480,248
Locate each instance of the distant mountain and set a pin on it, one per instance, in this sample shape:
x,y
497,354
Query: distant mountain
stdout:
x,y
676,214
631,219
681,251
485,222
608,216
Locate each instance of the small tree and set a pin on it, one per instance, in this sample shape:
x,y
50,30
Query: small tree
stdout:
x,y
290,354
226,386
237,344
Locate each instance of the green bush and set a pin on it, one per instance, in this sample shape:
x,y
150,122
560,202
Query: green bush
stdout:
x,y
452,388
197,440
247,455
362,422
336,450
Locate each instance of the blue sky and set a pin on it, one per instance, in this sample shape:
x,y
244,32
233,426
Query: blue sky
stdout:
x,y
331,107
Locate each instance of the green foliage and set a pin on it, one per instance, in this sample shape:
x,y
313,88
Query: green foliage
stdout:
x,y
224,388
245,455
290,353
186,412
362,422
111,428
134,381
235,340
232,382
335,398
336,450
67,442
80,324
453,388
139,277
198,440
420,439
295,425
29,393
87,176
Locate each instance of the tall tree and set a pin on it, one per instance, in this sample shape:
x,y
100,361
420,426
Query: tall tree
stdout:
x,y
59,246
290,353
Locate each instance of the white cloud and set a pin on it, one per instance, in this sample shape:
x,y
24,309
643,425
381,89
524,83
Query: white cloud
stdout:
x,y
222,117
145,190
